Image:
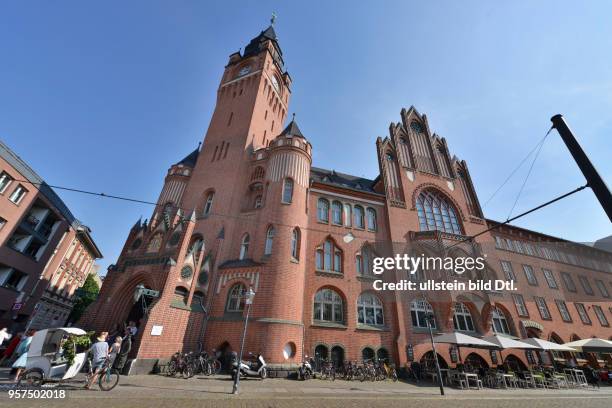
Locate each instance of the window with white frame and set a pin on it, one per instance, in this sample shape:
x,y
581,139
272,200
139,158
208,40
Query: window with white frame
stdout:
x,y
530,274
370,310
18,194
600,285
208,203
11,278
519,303
499,243
586,285
499,323
569,282
600,315
419,310
328,257
244,247
359,216
563,310
269,240
435,212
542,307
462,318
582,312
323,210
5,180
348,217
328,306
288,191
337,212
371,218
235,298
508,271
363,262
295,244
550,278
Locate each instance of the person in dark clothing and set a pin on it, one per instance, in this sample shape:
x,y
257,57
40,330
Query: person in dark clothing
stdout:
x,y
126,347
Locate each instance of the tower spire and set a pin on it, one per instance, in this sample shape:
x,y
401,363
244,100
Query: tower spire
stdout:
x,y
273,18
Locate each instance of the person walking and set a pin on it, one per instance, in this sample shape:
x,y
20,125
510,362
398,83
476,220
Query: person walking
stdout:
x,y
4,335
114,349
99,351
124,350
10,349
22,352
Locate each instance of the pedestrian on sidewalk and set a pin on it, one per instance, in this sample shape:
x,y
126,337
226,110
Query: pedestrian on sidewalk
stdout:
x,y
22,352
10,349
114,349
124,350
4,335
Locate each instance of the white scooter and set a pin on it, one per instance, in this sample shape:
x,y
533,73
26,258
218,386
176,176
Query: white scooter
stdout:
x,y
255,368
306,371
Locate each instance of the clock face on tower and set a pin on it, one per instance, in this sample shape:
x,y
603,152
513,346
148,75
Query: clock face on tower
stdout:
x,y
244,70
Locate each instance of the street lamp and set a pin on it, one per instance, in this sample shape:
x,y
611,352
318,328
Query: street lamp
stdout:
x,y
249,301
430,319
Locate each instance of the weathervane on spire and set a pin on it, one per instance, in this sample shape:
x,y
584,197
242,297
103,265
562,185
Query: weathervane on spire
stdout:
x,y
273,18
293,118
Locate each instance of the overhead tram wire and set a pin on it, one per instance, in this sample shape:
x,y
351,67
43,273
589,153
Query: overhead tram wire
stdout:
x,y
513,172
535,158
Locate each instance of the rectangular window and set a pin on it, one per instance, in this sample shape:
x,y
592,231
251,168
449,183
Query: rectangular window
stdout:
x,y
509,244
586,285
563,311
518,246
12,279
600,285
18,194
528,249
5,180
519,302
530,274
508,272
499,243
542,307
582,312
601,316
569,282
550,279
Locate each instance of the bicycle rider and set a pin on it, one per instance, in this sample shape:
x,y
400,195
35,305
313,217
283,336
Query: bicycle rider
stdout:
x,y
99,351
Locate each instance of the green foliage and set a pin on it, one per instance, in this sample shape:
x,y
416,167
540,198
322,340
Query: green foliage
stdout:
x,y
86,296
75,343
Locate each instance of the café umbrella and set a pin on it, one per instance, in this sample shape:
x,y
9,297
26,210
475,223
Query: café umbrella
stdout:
x,y
504,343
463,340
547,346
593,345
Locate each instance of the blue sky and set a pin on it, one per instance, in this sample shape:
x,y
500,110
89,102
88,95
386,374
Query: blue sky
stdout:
x,y
106,96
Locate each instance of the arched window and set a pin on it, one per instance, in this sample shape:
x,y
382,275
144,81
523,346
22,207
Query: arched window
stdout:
x,y
244,247
371,217
258,173
258,201
287,191
269,240
367,354
295,243
499,322
462,318
323,210
348,215
180,295
328,257
436,213
370,310
208,203
197,301
382,354
235,298
359,216
328,306
337,212
419,310
155,243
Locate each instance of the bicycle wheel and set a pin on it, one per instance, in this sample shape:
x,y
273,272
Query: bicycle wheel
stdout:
x,y
33,378
108,379
188,371
216,366
171,370
394,375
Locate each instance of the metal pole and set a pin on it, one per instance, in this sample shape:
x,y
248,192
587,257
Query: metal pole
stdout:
x,y
433,347
594,180
237,378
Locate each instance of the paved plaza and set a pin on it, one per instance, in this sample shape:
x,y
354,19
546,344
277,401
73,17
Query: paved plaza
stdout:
x,y
160,391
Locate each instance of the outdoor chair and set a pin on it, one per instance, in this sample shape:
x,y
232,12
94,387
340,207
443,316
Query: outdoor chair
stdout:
x,y
528,381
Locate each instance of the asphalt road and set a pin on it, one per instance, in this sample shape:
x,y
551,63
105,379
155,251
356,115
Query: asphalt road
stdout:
x,y
159,391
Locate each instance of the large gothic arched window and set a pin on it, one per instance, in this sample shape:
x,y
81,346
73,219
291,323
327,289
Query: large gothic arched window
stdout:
x,y
499,324
328,306
462,318
436,213
370,310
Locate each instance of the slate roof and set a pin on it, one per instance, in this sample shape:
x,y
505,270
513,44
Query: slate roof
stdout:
x,y
333,178
256,44
191,159
292,129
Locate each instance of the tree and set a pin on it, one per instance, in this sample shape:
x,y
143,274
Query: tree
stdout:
x,y
86,295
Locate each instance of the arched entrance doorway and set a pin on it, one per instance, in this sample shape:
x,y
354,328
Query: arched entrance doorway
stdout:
x,y
428,363
337,356
475,361
224,353
515,363
320,355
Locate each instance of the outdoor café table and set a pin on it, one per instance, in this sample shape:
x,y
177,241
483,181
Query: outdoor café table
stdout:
x,y
472,377
580,378
510,379
445,375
